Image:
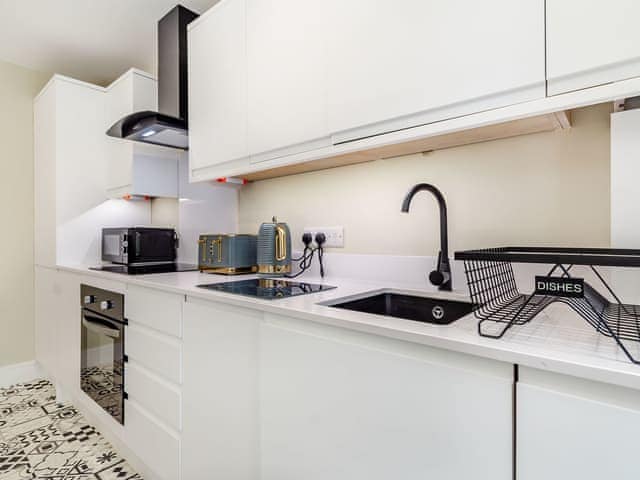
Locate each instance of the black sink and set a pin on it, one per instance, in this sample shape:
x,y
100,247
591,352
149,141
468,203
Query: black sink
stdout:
x,y
410,307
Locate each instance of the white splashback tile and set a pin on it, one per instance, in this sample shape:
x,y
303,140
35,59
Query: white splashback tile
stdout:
x,y
413,271
204,207
79,239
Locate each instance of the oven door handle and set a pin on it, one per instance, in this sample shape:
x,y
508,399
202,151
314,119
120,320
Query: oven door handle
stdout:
x,y
101,326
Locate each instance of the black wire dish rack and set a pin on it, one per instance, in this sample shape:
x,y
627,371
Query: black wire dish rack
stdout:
x,y
499,305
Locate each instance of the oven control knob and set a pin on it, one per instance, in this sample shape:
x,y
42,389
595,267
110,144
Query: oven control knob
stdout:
x,y
106,305
89,299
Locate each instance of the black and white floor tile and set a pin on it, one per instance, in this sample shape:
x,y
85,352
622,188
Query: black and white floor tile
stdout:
x,y
43,439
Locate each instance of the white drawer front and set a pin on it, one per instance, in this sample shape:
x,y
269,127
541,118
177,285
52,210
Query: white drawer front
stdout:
x,y
157,352
153,443
154,394
155,309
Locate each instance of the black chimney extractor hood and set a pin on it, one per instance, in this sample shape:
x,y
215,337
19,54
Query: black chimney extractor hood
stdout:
x,y
168,127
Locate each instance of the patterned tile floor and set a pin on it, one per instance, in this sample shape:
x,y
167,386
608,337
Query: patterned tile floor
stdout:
x,y
42,439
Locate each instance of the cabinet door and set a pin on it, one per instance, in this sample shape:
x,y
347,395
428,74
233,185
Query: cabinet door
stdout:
x,y
344,405
572,428
155,444
44,157
67,313
119,102
286,75
591,42
403,63
45,320
218,86
219,392
57,326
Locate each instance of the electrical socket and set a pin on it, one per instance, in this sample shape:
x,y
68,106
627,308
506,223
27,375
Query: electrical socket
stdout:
x,y
334,235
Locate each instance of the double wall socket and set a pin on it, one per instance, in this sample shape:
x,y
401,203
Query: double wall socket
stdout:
x,y
334,235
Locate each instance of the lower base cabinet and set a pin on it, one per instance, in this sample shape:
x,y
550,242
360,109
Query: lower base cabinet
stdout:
x,y
57,326
285,399
344,405
219,392
569,428
278,398
152,442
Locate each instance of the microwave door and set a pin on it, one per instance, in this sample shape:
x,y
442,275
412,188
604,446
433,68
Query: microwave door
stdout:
x,y
114,245
150,246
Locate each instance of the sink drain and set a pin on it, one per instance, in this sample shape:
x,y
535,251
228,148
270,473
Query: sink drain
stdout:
x,y
437,312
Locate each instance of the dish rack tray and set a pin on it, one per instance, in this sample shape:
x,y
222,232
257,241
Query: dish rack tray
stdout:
x,y
499,305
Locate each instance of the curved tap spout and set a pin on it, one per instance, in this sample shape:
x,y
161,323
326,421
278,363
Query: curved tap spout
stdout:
x,y
442,275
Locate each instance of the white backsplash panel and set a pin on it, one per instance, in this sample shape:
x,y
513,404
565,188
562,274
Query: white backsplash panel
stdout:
x,y
79,239
204,207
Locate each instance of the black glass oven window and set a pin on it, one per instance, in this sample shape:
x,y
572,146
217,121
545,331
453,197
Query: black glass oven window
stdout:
x,y
101,375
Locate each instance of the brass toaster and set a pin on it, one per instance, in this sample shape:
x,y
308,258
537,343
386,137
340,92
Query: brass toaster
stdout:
x,y
228,254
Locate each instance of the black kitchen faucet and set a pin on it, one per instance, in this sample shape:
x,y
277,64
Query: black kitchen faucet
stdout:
x,y
441,276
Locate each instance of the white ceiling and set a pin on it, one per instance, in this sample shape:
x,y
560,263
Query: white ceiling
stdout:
x,y
92,40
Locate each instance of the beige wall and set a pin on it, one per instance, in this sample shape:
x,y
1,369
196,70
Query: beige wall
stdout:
x,y
549,188
18,86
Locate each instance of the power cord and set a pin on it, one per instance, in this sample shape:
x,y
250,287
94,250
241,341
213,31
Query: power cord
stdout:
x,y
321,239
306,258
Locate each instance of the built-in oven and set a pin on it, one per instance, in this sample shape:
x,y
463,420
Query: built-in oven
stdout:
x,y
139,245
102,349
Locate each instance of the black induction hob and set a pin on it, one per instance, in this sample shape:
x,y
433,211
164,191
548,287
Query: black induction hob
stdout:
x,y
147,269
267,288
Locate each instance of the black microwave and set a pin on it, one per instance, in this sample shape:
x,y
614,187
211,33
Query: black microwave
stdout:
x,y
137,245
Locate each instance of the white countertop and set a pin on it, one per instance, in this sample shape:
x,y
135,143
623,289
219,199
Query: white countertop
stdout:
x,y
557,340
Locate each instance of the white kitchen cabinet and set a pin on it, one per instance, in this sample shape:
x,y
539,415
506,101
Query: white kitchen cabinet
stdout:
x,y
152,442
70,166
286,57
344,405
281,82
57,326
153,410
70,172
156,395
591,42
158,353
217,87
394,65
136,168
153,374
46,320
155,309
67,311
220,424
573,428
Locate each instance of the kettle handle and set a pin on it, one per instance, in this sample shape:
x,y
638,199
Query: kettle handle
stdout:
x,y
281,244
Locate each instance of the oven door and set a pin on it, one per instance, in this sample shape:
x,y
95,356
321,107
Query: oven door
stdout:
x,y
102,362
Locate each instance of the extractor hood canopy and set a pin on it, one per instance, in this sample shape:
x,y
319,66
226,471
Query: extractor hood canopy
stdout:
x,y
168,127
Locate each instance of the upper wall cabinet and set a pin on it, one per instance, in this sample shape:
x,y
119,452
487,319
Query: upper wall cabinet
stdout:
x,y
286,77
591,42
136,168
69,166
217,87
394,65
279,82
72,161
